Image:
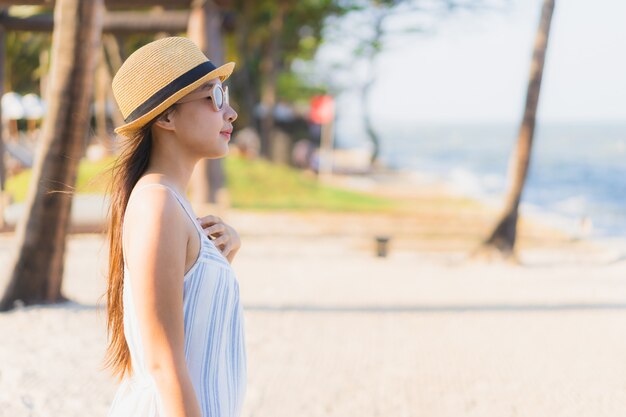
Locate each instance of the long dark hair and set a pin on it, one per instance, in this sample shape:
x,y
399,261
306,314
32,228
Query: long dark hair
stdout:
x,y
127,170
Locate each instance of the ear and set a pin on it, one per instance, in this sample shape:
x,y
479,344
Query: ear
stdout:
x,y
166,121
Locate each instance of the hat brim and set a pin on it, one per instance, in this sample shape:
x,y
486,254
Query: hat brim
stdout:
x,y
221,72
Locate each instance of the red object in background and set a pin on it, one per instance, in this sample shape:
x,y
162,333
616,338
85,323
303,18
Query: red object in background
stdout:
x,y
322,109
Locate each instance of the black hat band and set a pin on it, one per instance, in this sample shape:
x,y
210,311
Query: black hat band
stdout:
x,y
172,87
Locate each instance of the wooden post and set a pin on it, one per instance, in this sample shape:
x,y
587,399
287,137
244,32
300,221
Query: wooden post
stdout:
x,y
114,22
110,4
205,29
269,71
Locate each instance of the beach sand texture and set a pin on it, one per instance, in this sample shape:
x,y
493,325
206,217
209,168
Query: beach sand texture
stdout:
x,y
333,330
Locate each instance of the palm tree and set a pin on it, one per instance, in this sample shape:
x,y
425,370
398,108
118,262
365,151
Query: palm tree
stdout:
x,y
37,267
502,239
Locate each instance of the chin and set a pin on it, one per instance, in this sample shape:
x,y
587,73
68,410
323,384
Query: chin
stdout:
x,y
217,155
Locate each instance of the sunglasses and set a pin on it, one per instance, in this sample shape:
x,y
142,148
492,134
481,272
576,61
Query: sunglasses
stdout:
x,y
217,95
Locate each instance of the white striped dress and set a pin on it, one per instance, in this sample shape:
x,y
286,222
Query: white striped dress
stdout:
x,y
214,338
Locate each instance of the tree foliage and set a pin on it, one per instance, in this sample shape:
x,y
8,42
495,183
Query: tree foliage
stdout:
x,y
23,68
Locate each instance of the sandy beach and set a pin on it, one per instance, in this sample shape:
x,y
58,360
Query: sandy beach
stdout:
x,y
333,330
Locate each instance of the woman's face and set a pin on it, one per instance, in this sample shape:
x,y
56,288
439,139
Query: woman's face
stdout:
x,y
204,130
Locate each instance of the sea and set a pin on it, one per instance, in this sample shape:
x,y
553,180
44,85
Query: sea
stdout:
x,y
576,178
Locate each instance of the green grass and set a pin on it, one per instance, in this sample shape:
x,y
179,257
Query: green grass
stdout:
x,y
87,182
17,186
255,184
262,185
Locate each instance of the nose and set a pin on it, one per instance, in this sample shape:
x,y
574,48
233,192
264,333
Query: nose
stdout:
x,y
231,114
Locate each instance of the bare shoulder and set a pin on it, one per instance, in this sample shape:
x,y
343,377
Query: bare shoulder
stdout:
x,y
152,209
154,231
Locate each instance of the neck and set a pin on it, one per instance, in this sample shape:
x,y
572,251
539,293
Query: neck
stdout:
x,y
170,161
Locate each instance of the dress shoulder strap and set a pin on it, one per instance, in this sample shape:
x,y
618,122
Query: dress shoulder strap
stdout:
x,y
181,200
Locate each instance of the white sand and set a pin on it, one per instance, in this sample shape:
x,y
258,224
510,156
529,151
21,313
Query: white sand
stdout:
x,y
333,331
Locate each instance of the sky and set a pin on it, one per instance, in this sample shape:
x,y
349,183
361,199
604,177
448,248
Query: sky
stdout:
x,y
474,68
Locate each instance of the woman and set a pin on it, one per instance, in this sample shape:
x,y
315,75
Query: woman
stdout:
x,y
175,320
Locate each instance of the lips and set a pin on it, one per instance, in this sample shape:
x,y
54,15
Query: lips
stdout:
x,y
226,133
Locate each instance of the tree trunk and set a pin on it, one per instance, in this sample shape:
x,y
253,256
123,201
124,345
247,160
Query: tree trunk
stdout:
x,y
367,87
37,267
269,70
205,29
503,237
367,120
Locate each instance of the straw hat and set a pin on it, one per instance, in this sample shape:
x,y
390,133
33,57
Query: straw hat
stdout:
x,y
157,75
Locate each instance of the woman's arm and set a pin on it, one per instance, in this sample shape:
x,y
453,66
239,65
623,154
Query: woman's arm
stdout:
x,y
156,253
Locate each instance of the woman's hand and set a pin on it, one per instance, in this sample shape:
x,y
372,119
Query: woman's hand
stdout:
x,y
223,236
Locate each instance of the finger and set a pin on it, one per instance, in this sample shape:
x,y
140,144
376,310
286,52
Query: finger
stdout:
x,y
211,236
221,240
209,220
215,229
227,249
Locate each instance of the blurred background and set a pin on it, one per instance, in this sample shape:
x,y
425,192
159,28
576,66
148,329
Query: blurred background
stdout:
x,y
430,196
